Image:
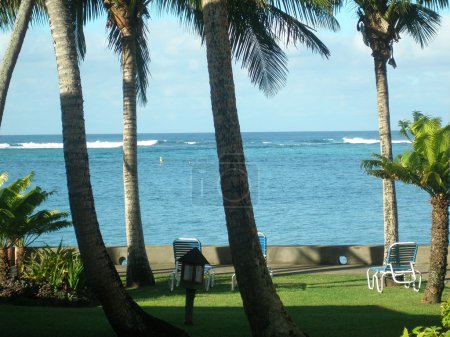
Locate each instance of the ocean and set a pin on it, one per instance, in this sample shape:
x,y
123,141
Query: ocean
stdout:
x,y
307,188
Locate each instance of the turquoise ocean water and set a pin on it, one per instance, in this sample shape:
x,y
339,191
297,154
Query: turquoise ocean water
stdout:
x,y
307,187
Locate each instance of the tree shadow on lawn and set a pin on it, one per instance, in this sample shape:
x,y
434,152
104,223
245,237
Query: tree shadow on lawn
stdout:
x,y
317,321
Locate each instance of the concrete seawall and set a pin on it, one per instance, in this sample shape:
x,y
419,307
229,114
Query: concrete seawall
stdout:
x,y
279,255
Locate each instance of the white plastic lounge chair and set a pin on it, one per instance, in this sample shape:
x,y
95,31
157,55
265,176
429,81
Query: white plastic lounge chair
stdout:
x,y
263,241
399,265
180,247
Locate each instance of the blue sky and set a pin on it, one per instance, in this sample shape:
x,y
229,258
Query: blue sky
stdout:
x,y
320,95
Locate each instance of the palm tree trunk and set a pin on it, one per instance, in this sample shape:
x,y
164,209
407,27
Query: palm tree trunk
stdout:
x,y
13,50
4,265
389,195
438,249
139,272
263,307
124,315
19,257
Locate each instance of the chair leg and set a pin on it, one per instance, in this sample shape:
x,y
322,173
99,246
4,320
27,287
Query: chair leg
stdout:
x,y
419,282
208,282
177,278
370,285
172,281
233,282
380,282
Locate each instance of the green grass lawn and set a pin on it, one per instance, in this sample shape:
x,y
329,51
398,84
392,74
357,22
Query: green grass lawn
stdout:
x,y
322,305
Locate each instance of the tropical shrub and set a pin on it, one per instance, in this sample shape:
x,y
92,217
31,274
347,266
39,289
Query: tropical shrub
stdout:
x,y
49,276
61,268
20,223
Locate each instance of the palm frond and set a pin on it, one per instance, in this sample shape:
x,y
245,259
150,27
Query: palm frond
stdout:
x,y
8,12
47,221
142,54
292,31
3,178
82,12
427,165
188,12
314,13
255,47
435,4
39,15
142,58
40,223
22,184
419,22
26,204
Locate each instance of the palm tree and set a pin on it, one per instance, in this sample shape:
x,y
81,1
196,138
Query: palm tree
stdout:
x,y
263,307
124,315
257,50
18,14
127,38
23,224
428,167
21,21
381,23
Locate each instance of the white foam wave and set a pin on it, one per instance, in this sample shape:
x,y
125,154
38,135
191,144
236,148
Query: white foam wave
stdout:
x,y
103,145
401,142
32,145
191,143
358,140
91,145
267,142
147,142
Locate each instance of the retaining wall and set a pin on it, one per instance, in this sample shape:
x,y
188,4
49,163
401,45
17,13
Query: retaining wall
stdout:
x,y
280,255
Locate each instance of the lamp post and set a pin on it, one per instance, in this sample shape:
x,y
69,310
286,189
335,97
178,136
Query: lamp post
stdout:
x,y
192,273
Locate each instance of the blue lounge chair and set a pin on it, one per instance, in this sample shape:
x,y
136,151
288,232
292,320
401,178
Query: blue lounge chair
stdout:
x,y
180,247
399,265
263,241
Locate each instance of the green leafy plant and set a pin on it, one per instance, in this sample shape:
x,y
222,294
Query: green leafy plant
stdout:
x,y
445,313
20,223
433,331
61,268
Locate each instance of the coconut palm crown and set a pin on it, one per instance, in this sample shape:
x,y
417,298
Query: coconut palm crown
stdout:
x,y
257,29
426,166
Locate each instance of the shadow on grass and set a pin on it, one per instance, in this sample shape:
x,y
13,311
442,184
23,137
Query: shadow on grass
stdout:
x,y
223,286
317,321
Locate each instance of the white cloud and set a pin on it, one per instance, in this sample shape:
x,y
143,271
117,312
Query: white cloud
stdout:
x,y
320,94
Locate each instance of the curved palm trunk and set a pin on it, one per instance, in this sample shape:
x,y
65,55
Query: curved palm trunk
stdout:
x,y
124,315
139,272
389,195
438,250
13,50
263,307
